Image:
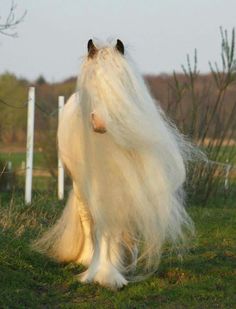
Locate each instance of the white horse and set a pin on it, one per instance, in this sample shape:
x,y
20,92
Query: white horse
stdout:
x,y
127,164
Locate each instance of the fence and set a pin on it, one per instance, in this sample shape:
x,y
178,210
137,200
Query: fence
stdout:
x,y
28,168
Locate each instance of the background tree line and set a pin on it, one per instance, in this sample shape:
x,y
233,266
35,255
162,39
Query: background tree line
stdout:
x,y
175,101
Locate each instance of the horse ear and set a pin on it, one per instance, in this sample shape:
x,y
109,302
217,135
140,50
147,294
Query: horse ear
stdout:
x,y
91,49
120,46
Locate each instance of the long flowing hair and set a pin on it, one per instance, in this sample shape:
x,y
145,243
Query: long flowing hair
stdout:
x,y
131,178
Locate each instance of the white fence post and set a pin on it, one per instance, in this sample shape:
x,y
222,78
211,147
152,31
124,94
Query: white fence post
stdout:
x,y
227,170
9,175
61,102
30,146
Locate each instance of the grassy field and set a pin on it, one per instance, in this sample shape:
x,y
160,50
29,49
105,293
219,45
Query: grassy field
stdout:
x,y
42,179
205,278
18,157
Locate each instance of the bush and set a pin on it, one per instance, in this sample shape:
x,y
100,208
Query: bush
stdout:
x,y
209,121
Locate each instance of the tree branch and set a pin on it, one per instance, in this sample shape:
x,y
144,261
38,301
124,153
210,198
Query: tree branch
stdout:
x,y
8,27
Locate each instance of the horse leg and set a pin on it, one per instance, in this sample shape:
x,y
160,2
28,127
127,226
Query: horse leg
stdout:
x,y
107,263
86,253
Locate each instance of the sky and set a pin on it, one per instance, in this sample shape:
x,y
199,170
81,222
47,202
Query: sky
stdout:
x,y
159,34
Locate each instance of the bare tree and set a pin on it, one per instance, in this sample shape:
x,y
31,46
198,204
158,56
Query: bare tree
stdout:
x,y
8,26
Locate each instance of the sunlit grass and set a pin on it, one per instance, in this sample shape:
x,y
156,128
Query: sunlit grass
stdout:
x,y
205,278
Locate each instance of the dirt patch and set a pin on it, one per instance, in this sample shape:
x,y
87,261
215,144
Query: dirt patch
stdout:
x,y
12,149
231,142
37,172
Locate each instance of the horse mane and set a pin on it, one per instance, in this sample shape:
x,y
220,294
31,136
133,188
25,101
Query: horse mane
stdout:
x,y
142,150
128,183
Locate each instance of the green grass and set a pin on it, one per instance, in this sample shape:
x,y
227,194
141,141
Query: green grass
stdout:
x,y
39,182
18,157
225,153
205,278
